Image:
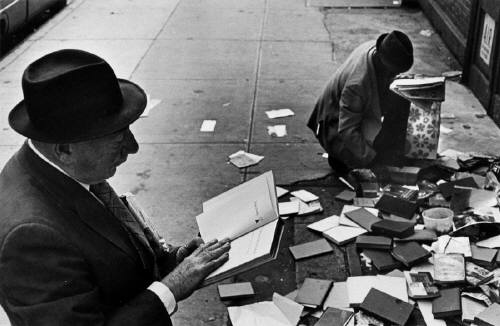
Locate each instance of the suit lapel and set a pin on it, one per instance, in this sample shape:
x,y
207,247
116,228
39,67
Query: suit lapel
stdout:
x,y
70,195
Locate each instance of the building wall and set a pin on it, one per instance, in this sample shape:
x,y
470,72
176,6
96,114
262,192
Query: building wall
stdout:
x,y
451,19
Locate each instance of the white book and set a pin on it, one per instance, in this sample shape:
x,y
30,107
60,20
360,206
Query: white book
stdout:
x,y
342,234
359,286
248,215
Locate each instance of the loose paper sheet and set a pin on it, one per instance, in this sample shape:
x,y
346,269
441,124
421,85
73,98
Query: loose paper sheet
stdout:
x,y
325,224
493,242
242,159
280,191
304,195
288,208
341,233
426,310
359,286
277,130
452,245
273,114
208,126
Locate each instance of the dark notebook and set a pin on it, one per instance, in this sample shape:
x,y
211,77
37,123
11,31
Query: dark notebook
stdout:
x,y
393,229
346,195
397,206
386,307
483,256
424,235
410,253
334,316
447,188
363,217
310,249
382,260
313,292
373,242
448,304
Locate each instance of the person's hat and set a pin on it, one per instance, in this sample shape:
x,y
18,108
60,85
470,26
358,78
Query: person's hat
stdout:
x,y
72,96
395,51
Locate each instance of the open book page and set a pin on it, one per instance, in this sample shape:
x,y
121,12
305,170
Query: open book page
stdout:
x,y
239,210
251,246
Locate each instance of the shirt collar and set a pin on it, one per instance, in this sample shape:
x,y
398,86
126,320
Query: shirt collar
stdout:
x,y
43,157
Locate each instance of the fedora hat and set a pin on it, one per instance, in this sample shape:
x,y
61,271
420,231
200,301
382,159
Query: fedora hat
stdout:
x,y
72,96
395,51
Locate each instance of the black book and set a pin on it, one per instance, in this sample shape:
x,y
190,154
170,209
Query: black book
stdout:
x,y
373,242
410,253
397,206
382,260
448,304
386,307
393,229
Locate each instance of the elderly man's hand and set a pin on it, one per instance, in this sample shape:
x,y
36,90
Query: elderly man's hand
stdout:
x,y
187,276
187,249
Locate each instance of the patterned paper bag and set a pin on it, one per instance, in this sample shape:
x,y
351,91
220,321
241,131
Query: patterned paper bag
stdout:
x,y
422,133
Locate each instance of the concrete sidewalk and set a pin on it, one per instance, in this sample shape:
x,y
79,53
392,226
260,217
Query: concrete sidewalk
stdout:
x,y
230,61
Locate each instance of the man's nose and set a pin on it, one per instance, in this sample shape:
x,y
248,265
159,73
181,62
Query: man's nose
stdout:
x,y
130,145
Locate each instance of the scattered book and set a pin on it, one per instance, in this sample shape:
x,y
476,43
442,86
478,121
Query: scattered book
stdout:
x,y
406,175
368,189
325,224
401,192
305,196
353,261
470,309
288,208
335,316
358,287
310,249
421,285
363,217
452,245
242,159
382,260
447,188
449,268
424,235
386,307
235,290
279,312
346,196
448,304
343,234
397,206
410,253
307,208
337,298
365,202
483,256
373,242
477,275
248,216
392,229
277,130
313,292
489,317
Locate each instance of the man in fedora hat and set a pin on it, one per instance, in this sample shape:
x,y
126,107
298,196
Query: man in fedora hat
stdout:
x,y
357,119
71,251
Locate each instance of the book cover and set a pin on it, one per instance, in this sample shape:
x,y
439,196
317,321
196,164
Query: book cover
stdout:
x,y
386,307
310,249
410,253
448,304
313,292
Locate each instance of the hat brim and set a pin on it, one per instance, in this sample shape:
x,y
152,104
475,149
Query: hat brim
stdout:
x,y
133,105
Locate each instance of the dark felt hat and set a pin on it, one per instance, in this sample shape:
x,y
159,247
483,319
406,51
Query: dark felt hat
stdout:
x,y
395,51
72,96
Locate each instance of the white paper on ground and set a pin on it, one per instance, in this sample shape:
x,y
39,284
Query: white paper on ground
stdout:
x,y
489,211
444,130
277,130
281,113
280,312
280,191
152,103
337,298
243,159
452,245
304,195
359,286
325,224
291,309
208,126
426,310
471,308
288,208
308,208
493,242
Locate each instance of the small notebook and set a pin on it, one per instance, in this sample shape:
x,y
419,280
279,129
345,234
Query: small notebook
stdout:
x,y
313,292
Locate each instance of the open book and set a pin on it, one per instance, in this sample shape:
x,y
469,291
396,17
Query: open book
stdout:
x,y
428,88
248,216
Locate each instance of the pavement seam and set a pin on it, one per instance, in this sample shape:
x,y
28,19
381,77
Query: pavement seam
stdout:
x,y
154,39
256,84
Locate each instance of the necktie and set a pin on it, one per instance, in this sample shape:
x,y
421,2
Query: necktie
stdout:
x,y
114,204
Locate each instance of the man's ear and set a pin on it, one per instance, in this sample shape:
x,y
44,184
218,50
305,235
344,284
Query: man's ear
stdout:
x,y
63,152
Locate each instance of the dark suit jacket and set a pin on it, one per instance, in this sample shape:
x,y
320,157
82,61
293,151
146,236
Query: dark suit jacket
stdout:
x,y
64,260
347,116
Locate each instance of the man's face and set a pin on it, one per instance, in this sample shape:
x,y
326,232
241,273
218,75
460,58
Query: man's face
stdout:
x,y
96,160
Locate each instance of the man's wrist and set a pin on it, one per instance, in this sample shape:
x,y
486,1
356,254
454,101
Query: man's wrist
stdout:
x,y
165,295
